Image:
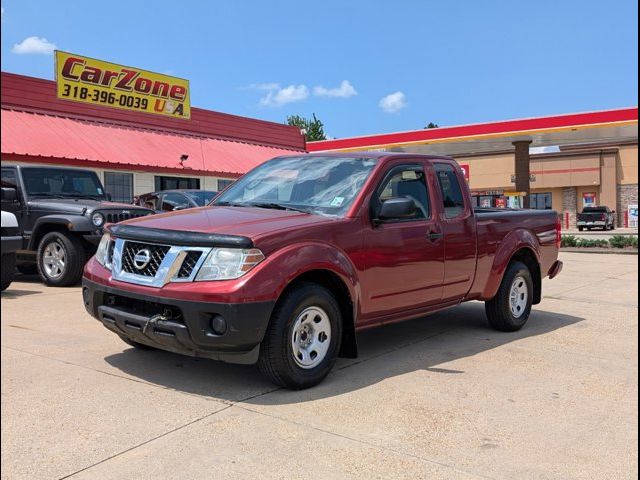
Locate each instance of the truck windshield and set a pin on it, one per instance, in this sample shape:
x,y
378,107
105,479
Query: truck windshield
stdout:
x,y
61,183
318,185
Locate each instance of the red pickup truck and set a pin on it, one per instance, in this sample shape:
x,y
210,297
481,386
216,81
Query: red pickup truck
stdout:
x,y
303,251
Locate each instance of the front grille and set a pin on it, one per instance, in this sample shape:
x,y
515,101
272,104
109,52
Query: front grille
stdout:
x,y
156,255
188,264
115,217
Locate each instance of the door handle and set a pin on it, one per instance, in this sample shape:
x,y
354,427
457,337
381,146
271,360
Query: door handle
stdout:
x,y
433,236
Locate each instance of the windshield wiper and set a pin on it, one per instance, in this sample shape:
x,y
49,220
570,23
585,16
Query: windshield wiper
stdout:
x,y
84,195
230,204
45,194
277,206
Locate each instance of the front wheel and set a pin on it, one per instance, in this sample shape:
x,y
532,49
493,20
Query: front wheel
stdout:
x,y
61,258
509,310
8,268
303,338
580,229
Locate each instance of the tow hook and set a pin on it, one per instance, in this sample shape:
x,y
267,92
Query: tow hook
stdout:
x,y
164,316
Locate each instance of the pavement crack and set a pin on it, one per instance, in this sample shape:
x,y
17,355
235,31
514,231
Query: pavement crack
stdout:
x,y
367,443
199,419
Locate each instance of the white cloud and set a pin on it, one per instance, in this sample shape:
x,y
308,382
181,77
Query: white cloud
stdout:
x,y
345,90
394,102
36,45
277,96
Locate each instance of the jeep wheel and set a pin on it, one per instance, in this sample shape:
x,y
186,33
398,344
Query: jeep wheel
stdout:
x,y
61,259
8,268
509,310
303,338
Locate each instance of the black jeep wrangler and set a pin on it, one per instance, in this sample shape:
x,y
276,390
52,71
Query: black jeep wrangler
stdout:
x,y
61,213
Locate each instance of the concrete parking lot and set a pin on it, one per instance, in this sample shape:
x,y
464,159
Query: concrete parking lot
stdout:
x,y
440,397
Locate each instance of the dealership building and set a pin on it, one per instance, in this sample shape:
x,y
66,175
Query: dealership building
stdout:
x,y
134,152
562,162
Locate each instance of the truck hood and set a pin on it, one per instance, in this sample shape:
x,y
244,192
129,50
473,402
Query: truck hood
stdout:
x,y
246,221
76,206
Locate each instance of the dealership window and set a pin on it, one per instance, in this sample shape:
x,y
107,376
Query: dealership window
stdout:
x,y
222,184
119,186
540,201
173,183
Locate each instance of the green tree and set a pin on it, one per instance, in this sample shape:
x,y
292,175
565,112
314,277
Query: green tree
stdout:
x,y
432,125
313,128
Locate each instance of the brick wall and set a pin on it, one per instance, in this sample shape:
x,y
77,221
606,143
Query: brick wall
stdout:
x,y
627,195
570,204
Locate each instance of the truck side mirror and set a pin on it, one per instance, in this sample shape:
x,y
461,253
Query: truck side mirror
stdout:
x,y
9,194
108,196
397,208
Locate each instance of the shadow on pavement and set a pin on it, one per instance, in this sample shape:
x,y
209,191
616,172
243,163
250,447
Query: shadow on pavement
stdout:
x,y
11,293
384,352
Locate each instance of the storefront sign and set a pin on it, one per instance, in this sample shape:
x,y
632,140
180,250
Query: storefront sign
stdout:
x,y
466,170
87,80
589,199
501,202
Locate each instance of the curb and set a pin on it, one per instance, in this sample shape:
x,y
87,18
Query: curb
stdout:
x,y
604,251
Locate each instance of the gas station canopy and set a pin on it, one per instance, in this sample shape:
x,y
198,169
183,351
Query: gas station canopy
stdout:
x,y
618,125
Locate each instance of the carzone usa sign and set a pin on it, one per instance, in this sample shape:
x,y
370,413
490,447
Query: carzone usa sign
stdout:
x,y
87,80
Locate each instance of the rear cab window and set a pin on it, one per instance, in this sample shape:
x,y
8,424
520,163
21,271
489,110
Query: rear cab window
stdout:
x,y
452,195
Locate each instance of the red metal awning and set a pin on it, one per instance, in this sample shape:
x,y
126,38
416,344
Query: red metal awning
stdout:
x,y
49,138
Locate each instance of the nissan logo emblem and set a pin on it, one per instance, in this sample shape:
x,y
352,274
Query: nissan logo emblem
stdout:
x,y
142,259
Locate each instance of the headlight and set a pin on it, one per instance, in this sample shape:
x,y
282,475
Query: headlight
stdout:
x,y
105,251
228,263
97,219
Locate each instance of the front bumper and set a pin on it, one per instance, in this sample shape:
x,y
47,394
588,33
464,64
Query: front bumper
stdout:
x,y
185,326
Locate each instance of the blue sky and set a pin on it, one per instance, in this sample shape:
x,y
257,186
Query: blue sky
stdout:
x,y
362,66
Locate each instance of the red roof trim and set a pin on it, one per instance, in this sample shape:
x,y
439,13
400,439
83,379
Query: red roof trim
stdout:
x,y
479,129
76,162
28,93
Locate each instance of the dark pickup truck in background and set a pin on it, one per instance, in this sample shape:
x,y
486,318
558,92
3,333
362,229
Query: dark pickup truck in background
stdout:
x,y
301,252
61,213
596,217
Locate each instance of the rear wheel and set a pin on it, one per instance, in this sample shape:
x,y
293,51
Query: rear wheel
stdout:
x,y
509,310
303,338
580,229
61,258
7,268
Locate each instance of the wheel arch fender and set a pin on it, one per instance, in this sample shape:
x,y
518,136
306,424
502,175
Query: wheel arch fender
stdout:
x,y
49,223
520,244
323,264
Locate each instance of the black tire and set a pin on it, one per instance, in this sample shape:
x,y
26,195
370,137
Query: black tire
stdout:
x,y
7,270
74,259
276,359
498,309
580,229
139,346
28,269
